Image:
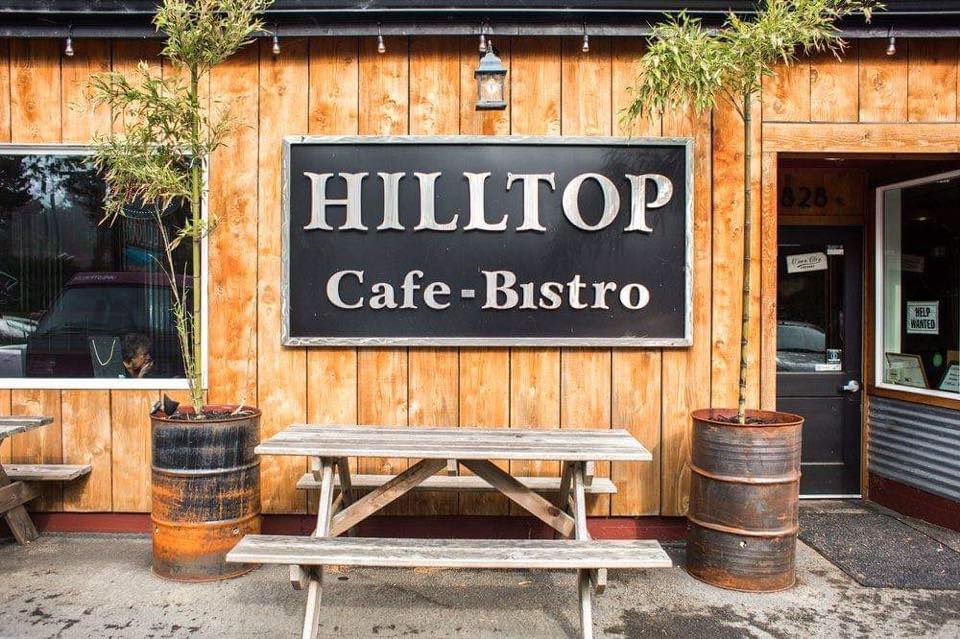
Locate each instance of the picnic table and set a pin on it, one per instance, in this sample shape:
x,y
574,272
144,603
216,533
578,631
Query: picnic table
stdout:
x,y
330,447
17,485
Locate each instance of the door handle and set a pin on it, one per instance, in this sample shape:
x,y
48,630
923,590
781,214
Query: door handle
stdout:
x,y
852,386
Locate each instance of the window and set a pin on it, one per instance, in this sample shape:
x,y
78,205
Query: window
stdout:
x,y
83,304
918,285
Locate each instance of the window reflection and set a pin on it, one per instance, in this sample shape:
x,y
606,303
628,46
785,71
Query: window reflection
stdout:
x,y
921,282
809,308
75,292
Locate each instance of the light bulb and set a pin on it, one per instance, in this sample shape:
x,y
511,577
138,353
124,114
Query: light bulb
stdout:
x,y
276,45
892,47
586,43
68,47
483,43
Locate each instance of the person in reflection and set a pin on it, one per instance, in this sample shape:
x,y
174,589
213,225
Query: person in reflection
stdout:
x,y
137,360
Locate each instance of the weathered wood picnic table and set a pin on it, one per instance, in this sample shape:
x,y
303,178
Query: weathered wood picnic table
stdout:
x,y
330,447
16,480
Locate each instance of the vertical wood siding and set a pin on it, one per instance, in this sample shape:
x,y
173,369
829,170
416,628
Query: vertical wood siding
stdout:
x,y
281,372
425,86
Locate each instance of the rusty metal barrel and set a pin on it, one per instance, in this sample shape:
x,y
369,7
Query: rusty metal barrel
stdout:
x,y
206,493
744,500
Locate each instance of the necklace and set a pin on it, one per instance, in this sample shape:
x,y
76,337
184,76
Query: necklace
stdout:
x,y
113,344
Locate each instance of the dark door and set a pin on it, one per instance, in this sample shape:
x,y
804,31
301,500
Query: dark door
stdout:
x,y
819,350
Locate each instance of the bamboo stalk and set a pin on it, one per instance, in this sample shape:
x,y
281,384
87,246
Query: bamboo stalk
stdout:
x,y
196,177
747,254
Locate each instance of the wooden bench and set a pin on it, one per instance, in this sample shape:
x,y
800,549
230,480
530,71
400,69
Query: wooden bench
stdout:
x,y
46,472
330,447
18,481
508,554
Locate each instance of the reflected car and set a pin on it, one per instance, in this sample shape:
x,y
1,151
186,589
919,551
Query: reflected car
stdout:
x,y
14,328
801,346
14,332
80,335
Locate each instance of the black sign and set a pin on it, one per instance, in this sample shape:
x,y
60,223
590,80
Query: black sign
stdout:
x,y
487,241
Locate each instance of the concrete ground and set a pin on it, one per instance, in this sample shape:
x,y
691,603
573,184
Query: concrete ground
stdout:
x,y
100,586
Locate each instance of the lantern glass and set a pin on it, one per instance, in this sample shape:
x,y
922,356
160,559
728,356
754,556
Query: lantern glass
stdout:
x,y
489,90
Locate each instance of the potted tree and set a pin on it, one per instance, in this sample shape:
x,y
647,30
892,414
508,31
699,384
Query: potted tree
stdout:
x,y
206,482
745,463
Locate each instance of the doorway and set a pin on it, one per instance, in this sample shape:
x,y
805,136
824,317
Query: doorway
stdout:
x,y
826,217
819,350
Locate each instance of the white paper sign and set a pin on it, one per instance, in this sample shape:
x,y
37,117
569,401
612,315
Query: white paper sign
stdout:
x,y
911,263
923,318
951,379
806,262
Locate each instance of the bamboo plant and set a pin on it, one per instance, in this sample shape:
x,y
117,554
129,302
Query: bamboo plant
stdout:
x,y
690,66
167,129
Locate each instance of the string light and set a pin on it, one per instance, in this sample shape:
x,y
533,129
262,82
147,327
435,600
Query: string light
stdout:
x,y
276,45
381,45
68,45
586,39
483,43
892,47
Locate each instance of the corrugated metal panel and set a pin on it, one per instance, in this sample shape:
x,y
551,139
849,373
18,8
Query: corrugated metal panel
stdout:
x,y
916,445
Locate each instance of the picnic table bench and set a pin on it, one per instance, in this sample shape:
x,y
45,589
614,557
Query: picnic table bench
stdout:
x,y
17,485
330,447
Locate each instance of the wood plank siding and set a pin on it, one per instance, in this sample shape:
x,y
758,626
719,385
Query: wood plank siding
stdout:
x,y
867,101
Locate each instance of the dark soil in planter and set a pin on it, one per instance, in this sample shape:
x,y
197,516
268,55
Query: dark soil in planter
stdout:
x,y
171,409
752,421
208,414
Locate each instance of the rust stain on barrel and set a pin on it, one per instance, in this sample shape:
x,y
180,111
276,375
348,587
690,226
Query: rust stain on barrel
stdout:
x,y
206,497
744,508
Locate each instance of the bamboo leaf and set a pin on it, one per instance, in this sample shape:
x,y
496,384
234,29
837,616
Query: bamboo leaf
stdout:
x,y
688,65
165,134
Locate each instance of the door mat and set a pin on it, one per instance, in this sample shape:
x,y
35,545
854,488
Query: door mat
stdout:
x,y
879,551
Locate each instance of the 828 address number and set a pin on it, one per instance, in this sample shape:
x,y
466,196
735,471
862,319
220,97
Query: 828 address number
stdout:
x,y
803,197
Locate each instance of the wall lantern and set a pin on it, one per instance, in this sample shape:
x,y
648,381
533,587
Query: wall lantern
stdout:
x,y
490,80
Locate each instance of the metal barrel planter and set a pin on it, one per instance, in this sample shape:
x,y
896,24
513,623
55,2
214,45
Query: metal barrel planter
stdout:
x,y
206,494
744,500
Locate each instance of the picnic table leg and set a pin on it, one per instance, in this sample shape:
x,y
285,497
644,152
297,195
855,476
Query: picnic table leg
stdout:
x,y
597,577
300,575
586,604
346,486
584,576
17,517
563,498
311,619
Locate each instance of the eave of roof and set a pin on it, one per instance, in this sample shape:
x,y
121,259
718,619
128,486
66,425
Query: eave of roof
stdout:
x,y
131,18
898,7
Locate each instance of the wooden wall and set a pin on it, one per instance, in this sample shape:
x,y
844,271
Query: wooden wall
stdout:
x,y
425,86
